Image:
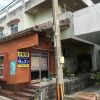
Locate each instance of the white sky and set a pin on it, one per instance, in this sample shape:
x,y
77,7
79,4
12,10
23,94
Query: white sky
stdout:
x,y
4,3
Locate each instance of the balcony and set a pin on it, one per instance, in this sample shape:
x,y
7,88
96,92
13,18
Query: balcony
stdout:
x,y
36,6
87,24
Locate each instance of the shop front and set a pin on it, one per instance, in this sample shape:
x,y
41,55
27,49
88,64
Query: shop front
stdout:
x,y
25,56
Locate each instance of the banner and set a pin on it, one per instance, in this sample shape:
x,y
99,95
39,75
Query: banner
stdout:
x,y
23,59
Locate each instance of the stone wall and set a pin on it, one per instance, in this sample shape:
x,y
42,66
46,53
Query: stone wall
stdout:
x,y
76,84
47,91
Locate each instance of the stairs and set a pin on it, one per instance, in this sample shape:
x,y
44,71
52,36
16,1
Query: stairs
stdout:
x,y
12,95
27,93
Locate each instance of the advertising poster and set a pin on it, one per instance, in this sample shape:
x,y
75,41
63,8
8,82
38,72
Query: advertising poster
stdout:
x,y
13,67
23,59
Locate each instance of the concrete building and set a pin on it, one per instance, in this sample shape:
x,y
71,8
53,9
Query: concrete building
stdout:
x,y
86,26
26,31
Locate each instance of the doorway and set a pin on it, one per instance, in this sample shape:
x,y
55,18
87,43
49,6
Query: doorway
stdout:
x,y
84,63
39,65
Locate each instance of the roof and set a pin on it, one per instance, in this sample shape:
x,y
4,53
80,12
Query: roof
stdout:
x,y
37,28
17,35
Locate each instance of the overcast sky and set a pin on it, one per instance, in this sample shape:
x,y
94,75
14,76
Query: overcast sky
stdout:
x,y
4,3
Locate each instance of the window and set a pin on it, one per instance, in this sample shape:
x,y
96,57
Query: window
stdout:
x,y
1,33
13,24
1,66
14,28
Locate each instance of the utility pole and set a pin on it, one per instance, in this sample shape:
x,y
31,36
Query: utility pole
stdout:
x,y
58,53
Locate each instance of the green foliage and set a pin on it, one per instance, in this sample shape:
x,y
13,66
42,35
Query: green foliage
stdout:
x,y
65,71
95,76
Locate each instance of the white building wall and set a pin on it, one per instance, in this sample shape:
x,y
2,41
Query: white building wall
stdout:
x,y
26,20
87,20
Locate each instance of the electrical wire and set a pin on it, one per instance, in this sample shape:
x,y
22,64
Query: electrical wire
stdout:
x,y
7,5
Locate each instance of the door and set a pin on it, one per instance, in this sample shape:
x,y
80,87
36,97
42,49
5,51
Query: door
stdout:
x,y
84,63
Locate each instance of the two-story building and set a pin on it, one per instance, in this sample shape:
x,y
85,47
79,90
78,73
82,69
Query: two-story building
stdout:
x,y
26,44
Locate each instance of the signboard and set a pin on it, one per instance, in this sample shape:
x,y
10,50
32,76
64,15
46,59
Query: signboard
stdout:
x,y
13,67
23,59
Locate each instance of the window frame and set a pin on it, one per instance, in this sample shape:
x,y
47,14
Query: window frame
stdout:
x,y
14,28
1,32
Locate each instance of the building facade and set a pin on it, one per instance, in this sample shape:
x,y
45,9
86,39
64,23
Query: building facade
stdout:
x,y
26,44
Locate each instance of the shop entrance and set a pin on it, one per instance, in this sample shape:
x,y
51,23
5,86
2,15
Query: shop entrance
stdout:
x,y
39,65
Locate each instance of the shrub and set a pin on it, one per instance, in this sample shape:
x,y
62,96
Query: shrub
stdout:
x,y
95,76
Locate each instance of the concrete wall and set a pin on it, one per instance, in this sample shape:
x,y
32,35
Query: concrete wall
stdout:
x,y
96,57
67,32
87,20
71,58
72,53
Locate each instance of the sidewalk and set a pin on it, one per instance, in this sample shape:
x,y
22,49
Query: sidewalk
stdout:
x,y
92,92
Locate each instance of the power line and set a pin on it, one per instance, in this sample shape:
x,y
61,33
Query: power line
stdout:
x,y
7,5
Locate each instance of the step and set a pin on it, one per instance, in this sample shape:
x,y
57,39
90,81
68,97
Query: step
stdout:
x,y
32,86
29,90
12,95
6,92
25,94
16,97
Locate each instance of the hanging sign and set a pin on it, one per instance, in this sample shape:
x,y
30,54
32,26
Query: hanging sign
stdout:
x,y
23,59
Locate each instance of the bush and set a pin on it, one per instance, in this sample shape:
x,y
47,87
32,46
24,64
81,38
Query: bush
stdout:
x,y
65,71
96,76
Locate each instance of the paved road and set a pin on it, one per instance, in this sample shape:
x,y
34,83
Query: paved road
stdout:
x,y
4,98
